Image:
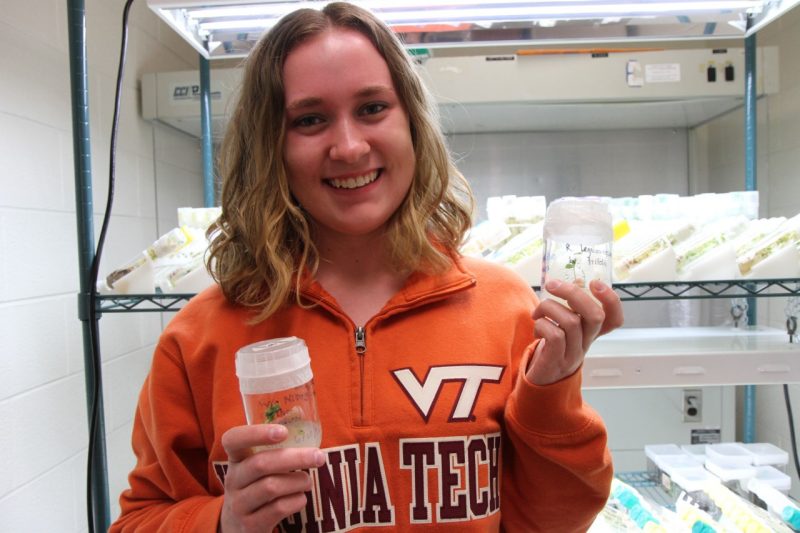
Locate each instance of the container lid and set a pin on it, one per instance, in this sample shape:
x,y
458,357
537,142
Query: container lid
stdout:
x,y
728,454
691,479
670,463
764,453
729,473
774,478
695,450
273,365
653,451
587,219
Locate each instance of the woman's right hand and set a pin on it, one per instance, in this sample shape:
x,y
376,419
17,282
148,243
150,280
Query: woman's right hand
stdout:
x,y
263,488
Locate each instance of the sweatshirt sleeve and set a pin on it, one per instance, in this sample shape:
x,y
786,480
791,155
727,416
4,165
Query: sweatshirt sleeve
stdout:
x,y
169,484
557,476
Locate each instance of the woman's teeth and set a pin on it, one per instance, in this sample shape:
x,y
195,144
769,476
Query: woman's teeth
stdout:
x,y
352,183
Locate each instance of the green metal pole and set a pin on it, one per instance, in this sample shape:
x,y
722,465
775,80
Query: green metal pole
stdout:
x,y
76,16
750,118
205,126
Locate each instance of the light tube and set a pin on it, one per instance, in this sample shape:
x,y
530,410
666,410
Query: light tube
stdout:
x,y
198,20
391,11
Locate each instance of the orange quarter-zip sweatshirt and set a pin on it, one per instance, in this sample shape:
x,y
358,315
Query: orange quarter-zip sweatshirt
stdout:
x,y
428,422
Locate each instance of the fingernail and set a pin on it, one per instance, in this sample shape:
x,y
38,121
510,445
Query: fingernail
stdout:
x,y
319,458
552,284
599,287
277,433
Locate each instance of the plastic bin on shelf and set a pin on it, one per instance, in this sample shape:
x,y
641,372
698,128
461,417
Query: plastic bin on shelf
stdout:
x,y
764,453
697,451
728,455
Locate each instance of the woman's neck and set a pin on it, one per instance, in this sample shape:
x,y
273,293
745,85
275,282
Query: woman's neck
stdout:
x,y
357,272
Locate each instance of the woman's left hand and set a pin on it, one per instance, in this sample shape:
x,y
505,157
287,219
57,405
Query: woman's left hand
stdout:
x,y
567,332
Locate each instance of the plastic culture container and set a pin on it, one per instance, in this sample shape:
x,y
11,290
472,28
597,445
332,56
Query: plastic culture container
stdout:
x,y
656,453
577,242
774,478
776,256
650,261
697,451
728,454
690,479
776,502
764,453
523,254
277,387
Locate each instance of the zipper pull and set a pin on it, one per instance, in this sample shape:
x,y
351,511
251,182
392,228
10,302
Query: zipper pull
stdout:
x,y
361,340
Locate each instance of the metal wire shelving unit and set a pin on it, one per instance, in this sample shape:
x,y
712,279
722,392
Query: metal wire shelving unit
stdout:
x,y
673,290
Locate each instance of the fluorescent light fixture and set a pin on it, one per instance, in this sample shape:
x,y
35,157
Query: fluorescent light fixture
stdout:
x,y
237,24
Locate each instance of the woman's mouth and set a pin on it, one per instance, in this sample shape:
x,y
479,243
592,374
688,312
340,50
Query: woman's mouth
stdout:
x,y
353,182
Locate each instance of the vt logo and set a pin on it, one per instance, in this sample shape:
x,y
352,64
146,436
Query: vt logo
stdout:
x,y
424,393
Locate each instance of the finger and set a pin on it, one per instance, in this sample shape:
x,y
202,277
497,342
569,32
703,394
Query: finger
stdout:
x,y
270,489
277,461
612,306
548,358
591,314
550,331
566,340
277,510
283,460
239,441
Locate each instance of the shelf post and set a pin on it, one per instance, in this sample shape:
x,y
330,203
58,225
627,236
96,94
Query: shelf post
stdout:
x,y
76,18
205,126
750,118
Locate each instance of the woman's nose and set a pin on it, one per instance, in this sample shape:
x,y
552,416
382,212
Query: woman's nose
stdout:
x,y
349,144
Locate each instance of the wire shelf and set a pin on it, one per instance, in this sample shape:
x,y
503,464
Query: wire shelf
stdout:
x,y
141,303
697,290
674,290
649,486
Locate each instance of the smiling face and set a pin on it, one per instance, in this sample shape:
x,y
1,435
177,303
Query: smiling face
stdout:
x,y
348,149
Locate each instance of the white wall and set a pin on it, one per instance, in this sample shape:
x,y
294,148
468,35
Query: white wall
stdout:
x,y
43,420
720,145
569,163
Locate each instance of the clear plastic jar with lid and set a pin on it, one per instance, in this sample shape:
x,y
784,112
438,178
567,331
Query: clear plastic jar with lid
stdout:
x,y
277,387
577,242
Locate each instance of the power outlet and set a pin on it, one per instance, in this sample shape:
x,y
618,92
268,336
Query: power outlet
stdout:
x,y
692,405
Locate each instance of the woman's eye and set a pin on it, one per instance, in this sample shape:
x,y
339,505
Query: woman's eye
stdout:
x,y
306,121
373,109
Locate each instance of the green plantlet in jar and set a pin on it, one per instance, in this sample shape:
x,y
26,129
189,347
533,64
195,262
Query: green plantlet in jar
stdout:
x,y
272,412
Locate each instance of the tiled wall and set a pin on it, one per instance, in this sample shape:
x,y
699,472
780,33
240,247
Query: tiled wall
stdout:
x,y
43,420
778,179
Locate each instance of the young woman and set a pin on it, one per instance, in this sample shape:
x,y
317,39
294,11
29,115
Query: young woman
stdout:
x,y
449,396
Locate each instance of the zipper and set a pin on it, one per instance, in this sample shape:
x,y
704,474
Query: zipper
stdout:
x,y
361,340
360,334
361,350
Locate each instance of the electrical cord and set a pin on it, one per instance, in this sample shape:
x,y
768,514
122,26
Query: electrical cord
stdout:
x,y
791,427
93,318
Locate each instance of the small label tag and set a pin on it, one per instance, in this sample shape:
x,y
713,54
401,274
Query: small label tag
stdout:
x,y
662,73
182,93
706,436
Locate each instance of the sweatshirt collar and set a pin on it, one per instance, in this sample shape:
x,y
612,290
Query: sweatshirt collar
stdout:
x,y
418,289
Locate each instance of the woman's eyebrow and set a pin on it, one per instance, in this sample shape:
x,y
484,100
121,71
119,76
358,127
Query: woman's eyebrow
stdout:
x,y
312,101
304,103
372,90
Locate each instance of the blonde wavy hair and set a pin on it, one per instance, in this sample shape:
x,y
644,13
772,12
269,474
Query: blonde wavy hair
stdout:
x,y
263,240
